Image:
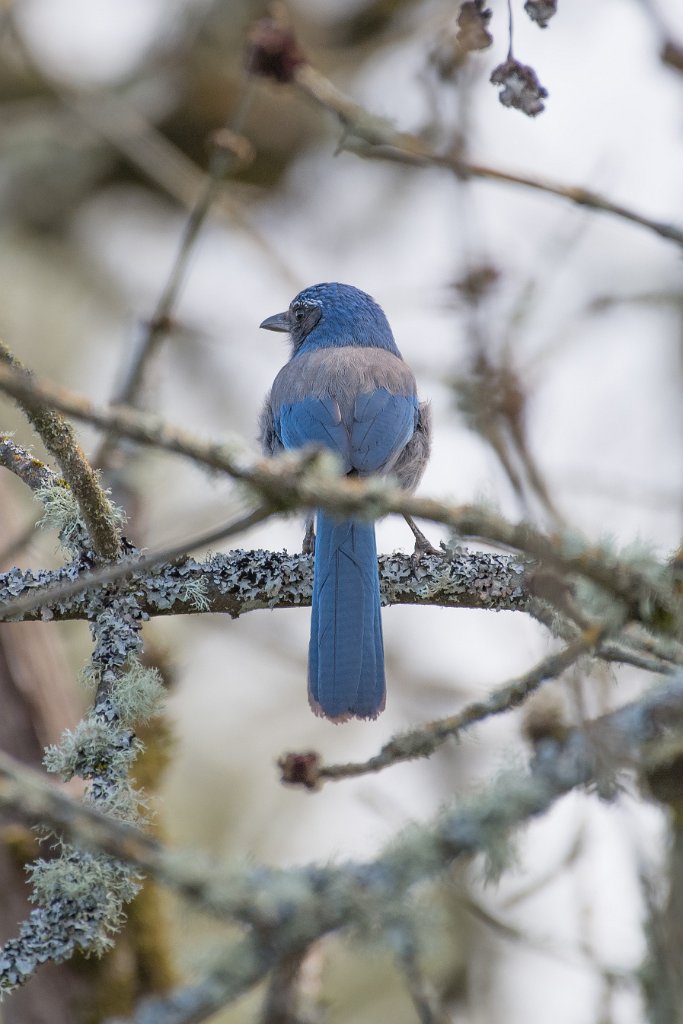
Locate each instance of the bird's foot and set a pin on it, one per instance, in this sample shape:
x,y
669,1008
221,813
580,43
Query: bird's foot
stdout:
x,y
308,546
422,544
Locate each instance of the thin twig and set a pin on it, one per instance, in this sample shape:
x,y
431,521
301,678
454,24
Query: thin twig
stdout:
x,y
223,160
126,128
425,740
370,136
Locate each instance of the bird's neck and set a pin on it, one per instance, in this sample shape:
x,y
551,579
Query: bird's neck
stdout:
x,y
344,341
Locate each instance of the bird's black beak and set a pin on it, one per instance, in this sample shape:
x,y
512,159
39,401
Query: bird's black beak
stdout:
x,y
278,322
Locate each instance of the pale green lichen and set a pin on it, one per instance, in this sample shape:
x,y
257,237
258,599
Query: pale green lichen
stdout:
x,y
61,513
196,593
94,748
92,882
137,695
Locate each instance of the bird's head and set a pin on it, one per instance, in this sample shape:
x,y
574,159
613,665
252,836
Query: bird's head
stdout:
x,y
331,315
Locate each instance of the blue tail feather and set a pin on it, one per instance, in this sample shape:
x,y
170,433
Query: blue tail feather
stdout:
x,y
346,655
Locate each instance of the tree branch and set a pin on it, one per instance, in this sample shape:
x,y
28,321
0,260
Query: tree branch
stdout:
x,y
289,908
243,581
59,439
307,479
370,136
21,462
425,740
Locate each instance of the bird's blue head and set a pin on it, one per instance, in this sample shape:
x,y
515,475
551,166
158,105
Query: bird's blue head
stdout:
x,y
332,315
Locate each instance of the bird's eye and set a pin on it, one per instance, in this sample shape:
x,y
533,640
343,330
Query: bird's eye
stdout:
x,y
298,314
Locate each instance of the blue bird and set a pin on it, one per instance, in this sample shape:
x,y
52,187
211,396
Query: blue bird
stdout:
x,y
347,388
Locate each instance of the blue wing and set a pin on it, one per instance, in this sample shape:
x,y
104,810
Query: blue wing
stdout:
x,y
381,427
314,421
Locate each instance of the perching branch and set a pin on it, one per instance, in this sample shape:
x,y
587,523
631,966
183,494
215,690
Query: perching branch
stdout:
x,y
243,581
308,479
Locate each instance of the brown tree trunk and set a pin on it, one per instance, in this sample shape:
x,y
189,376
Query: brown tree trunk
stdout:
x,y
37,702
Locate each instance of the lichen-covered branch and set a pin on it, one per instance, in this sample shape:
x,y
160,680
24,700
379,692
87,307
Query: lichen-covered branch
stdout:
x,y
242,581
80,895
58,437
309,479
22,463
286,909
242,966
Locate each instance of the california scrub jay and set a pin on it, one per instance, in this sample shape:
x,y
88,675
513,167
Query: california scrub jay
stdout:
x,y
347,388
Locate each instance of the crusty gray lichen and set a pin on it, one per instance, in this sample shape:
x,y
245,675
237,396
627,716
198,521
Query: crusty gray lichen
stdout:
x,y
468,579
241,581
82,895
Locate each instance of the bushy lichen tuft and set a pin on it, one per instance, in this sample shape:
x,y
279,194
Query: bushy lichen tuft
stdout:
x,y
81,897
61,513
84,877
93,749
137,695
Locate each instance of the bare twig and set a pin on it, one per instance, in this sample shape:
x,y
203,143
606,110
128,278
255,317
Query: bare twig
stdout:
x,y
140,141
370,136
223,159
